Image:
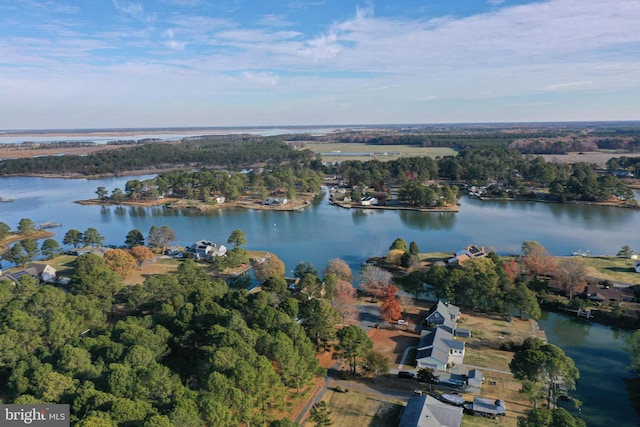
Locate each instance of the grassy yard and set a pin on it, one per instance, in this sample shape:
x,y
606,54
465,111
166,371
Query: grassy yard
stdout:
x,y
360,409
328,151
612,268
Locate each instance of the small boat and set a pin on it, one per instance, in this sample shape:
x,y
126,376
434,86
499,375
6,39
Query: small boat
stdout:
x,y
453,399
3,200
50,224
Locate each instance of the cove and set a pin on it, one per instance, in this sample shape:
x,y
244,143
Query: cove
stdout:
x,y
322,232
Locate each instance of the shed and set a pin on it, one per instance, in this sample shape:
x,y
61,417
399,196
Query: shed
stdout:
x,y
474,378
462,333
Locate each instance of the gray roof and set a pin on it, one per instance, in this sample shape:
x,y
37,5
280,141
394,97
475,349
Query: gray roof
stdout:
x,y
489,406
436,343
444,314
425,411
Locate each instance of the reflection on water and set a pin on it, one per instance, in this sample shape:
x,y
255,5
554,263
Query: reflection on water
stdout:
x,y
428,220
598,352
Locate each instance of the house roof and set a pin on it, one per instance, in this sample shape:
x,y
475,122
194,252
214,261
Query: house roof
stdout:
x,y
447,313
426,411
435,344
599,293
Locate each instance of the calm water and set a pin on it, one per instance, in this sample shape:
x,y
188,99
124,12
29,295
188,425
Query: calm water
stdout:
x,y
598,352
322,232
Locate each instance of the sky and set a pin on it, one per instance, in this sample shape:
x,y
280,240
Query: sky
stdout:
x,y
181,63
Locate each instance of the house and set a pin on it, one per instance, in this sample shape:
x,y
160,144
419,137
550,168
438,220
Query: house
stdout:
x,y
437,349
15,276
368,201
43,272
205,249
487,407
219,199
605,294
469,252
272,201
426,411
443,314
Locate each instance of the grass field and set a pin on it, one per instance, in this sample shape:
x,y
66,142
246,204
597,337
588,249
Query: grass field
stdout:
x,y
361,409
328,151
612,268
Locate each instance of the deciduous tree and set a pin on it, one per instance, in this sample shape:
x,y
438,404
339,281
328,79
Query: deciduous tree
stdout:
x,y
340,269
571,275
537,260
119,261
344,300
390,309
141,254
160,237
374,279
269,266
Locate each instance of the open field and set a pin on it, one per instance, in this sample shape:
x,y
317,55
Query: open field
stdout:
x,y
329,151
599,158
616,269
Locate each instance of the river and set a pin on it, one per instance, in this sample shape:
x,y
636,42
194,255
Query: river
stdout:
x,y
322,232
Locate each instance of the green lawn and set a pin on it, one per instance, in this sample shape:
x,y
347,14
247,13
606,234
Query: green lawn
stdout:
x,y
611,268
328,151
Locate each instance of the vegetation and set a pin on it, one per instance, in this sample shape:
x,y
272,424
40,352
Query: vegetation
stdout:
x,y
226,151
543,369
190,351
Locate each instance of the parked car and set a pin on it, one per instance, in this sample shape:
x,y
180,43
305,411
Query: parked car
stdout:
x,y
407,374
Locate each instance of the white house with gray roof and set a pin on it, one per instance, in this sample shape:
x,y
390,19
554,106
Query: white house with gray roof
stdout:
x,y
438,349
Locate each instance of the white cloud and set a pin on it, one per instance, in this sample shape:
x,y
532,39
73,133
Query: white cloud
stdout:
x,y
567,86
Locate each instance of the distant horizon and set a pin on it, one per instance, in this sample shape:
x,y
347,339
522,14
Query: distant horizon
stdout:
x,y
81,130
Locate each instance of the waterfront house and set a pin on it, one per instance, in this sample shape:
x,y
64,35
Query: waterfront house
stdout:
x,y
469,252
606,294
426,411
44,273
206,250
437,349
443,314
368,201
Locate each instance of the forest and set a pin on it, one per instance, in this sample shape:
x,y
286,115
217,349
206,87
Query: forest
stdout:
x,y
180,349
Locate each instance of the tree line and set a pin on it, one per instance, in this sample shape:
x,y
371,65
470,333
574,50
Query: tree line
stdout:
x,y
226,151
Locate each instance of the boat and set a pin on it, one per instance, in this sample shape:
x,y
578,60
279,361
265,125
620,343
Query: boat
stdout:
x,y
3,200
453,399
50,224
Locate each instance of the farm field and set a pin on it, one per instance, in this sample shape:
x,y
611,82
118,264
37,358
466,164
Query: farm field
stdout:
x,y
331,151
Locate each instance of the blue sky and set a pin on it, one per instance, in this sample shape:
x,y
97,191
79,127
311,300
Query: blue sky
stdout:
x,y
165,63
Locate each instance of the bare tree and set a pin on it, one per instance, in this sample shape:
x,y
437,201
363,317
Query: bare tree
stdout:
x,y
374,279
537,260
339,268
571,275
344,300
406,301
